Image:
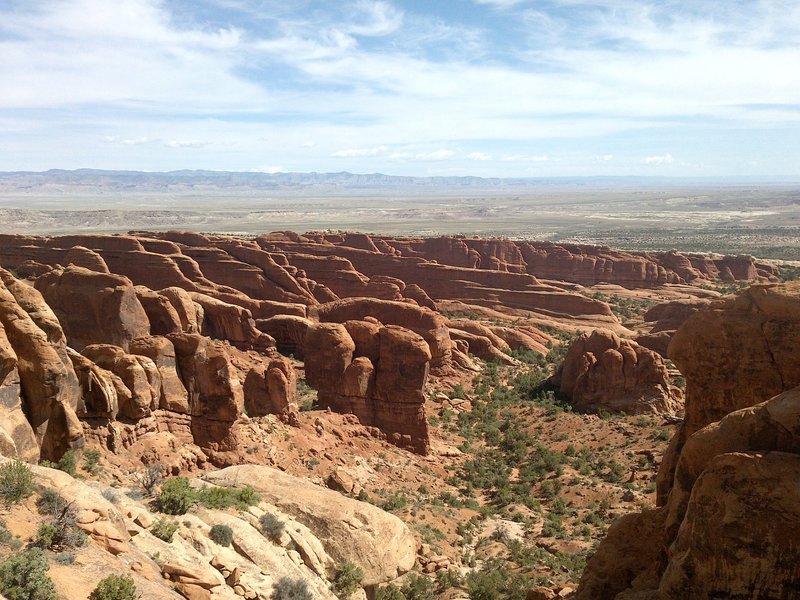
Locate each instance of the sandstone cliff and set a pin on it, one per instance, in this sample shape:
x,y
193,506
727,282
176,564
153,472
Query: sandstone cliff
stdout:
x,y
727,520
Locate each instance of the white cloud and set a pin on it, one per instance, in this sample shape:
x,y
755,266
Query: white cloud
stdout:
x,y
479,156
359,152
526,158
603,157
185,144
499,3
309,144
662,159
440,154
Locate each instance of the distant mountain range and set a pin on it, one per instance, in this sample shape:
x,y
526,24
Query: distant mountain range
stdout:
x,y
59,181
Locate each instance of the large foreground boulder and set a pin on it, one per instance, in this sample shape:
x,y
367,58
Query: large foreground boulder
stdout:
x,y
350,530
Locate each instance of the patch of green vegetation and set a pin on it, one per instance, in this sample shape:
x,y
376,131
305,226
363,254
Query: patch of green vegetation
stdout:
x,y
346,580
16,482
24,576
164,529
115,587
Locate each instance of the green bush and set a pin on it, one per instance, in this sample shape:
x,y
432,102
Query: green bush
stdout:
x,y
91,460
176,497
415,587
67,463
24,576
115,587
164,529
50,502
287,588
221,534
16,482
61,532
347,580
225,497
271,526
495,581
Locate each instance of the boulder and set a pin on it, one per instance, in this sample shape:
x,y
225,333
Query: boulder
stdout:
x,y
349,530
603,372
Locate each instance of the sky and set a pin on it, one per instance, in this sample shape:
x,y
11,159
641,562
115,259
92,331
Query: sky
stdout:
x,y
505,88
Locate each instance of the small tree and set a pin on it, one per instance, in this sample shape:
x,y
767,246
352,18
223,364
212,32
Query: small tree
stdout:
x,y
151,477
16,482
24,576
115,587
176,496
347,580
221,534
164,529
91,460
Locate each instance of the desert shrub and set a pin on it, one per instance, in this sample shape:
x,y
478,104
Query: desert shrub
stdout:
x,y
347,579
61,532
164,529
176,497
495,581
151,477
67,463
221,534
115,587
91,461
225,497
50,502
415,587
16,482
64,558
287,588
271,526
111,495
24,576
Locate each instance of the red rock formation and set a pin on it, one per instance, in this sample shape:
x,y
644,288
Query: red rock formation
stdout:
x,y
727,519
49,388
386,392
138,373
269,388
232,323
94,307
430,325
16,435
172,394
603,372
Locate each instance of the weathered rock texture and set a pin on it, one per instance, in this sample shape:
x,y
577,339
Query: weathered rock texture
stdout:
x,y
349,530
380,378
727,521
603,372
49,391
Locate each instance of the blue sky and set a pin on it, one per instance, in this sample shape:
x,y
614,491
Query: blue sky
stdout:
x,y
420,87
